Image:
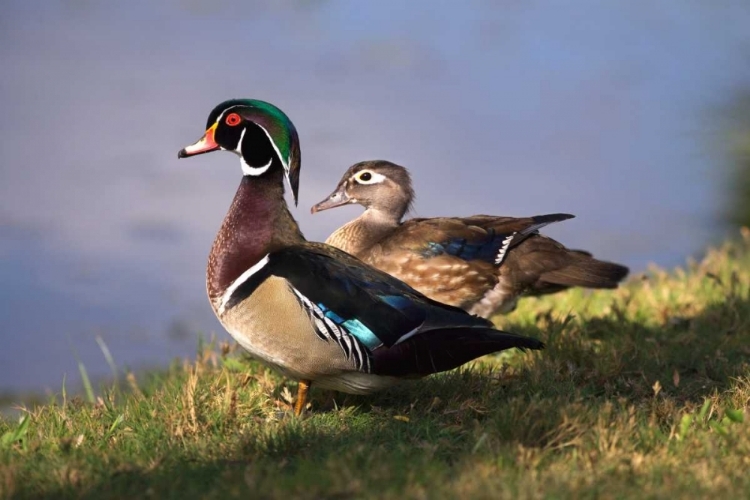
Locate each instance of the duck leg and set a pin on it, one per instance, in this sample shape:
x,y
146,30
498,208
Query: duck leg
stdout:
x,y
302,388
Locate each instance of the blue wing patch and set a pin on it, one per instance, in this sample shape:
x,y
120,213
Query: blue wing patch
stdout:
x,y
327,328
485,249
353,326
397,301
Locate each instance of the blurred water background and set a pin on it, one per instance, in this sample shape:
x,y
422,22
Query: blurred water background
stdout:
x,y
613,111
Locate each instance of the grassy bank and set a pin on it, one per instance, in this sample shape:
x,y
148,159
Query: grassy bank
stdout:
x,y
642,392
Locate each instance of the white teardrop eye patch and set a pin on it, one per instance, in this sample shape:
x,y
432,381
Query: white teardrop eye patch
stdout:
x,y
368,177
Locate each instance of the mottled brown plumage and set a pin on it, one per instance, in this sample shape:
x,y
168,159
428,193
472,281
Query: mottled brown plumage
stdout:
x,y
454,260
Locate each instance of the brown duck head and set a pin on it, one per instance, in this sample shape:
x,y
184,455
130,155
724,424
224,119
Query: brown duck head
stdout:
x,y
376,185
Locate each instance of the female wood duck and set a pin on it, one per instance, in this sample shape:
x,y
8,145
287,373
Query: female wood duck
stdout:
x,y
313,312
481,264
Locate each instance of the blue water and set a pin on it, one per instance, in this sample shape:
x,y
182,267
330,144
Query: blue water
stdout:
x,y
608,111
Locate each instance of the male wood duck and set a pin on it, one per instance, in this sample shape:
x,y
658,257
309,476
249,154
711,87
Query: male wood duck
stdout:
x,y
481,264
309,310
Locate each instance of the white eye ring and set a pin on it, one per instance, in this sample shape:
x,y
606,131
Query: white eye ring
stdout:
x,y
374,177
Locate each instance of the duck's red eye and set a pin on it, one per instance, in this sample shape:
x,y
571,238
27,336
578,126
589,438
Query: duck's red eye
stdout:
x,y
233,119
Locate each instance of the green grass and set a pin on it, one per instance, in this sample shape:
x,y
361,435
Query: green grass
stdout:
x,y
642,392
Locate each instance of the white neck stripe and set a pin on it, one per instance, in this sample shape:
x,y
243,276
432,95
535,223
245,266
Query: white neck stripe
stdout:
x,y
247,169
255,171
227,295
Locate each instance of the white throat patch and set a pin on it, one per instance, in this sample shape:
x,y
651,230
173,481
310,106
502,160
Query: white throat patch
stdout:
x,y
255,171
247,169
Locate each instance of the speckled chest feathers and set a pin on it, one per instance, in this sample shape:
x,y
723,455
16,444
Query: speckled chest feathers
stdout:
x,y
258,222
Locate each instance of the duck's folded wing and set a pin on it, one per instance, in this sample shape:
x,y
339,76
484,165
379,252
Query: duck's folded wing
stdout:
x,y
482,238
372,305
384,325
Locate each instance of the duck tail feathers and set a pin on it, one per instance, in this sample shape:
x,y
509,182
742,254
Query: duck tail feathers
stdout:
x,y
588,272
